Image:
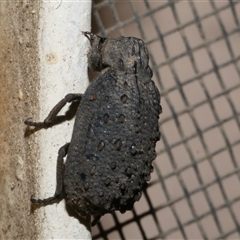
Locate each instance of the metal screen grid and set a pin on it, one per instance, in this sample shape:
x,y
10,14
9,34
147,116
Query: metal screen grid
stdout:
x,y
182,201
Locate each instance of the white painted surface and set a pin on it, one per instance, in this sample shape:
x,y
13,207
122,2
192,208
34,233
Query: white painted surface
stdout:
x,y
63,70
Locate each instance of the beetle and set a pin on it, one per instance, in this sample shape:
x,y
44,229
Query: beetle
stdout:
x,y
109,158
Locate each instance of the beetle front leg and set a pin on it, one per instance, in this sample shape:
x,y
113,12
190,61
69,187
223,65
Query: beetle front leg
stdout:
x,y
52,115
62,152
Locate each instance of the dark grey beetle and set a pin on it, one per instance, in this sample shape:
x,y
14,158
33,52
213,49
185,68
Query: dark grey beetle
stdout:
x,y
109,159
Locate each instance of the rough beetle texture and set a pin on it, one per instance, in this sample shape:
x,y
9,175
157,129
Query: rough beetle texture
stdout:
x,y
109,158
116,129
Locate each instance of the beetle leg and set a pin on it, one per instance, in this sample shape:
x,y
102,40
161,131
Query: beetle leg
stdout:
x,y
62,152
52,115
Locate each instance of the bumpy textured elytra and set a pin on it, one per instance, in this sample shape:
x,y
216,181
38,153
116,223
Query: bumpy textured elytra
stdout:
x,y
109,159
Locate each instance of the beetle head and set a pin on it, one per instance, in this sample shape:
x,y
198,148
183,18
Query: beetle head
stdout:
x,y
127,54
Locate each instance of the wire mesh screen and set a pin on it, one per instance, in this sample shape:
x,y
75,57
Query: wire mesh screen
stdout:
x,y
194,47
